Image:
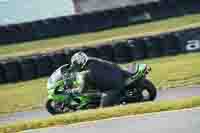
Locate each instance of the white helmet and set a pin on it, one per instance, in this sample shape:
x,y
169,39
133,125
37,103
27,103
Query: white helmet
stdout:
x,y
79,59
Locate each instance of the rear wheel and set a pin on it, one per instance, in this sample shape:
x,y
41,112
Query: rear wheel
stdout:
x,y
147,90
143,90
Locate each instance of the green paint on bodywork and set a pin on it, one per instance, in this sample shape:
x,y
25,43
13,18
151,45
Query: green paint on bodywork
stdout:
x,y
59,85
84,101
140,71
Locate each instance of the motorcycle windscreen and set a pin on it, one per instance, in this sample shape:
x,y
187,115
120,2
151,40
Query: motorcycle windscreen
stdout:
x,y
56,76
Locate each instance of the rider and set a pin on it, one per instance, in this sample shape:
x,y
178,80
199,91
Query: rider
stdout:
x,y
106,76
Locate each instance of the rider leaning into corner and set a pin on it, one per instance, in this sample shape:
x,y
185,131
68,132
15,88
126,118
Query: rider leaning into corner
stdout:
x,y
107,77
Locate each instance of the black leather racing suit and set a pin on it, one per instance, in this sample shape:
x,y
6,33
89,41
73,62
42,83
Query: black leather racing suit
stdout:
x,y
107,78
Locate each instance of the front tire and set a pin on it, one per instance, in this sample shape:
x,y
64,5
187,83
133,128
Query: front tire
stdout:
x,y
50,107
57,108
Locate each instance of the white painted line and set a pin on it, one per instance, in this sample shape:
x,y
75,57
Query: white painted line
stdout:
x,y
126,117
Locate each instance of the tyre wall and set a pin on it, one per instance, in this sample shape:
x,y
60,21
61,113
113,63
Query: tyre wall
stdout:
x,y
98,20
119,51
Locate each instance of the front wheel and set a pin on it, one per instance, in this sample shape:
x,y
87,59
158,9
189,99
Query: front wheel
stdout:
x,y
50,107
56,108
147,90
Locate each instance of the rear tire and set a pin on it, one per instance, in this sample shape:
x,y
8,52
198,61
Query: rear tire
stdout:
x,y
147,85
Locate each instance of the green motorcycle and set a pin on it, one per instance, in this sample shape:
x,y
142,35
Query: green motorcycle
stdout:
x,y
137,89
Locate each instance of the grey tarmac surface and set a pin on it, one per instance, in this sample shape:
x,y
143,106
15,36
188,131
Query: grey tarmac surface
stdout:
x,y
168,94
185,121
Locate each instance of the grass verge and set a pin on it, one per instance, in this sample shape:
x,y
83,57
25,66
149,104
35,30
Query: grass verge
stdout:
x,y
167,72
172,24
91,115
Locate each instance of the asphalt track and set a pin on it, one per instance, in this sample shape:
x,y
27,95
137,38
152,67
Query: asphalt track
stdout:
x,y
167,94
184,121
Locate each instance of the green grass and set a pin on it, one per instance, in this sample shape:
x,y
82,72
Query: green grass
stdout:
x,y
22,96
181,70
172,24
91,115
